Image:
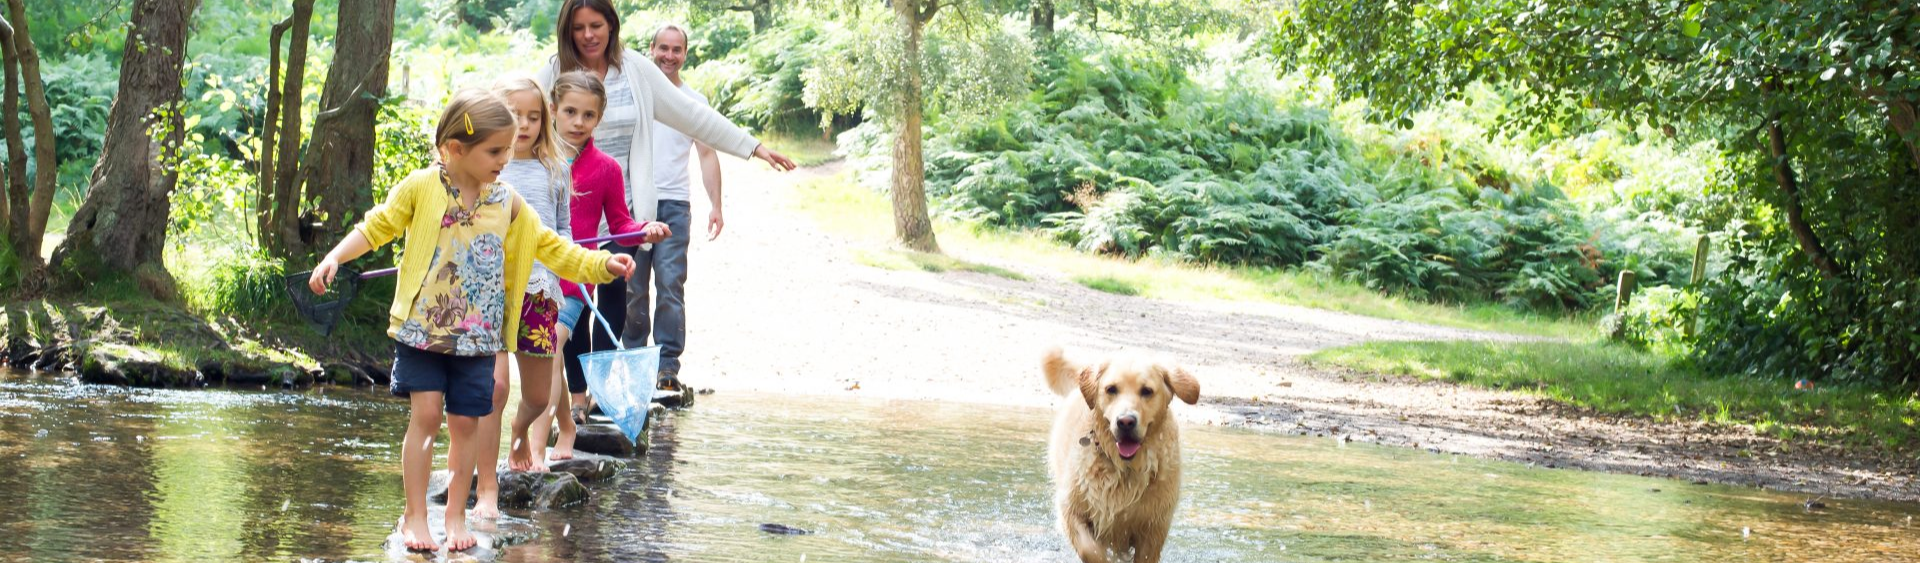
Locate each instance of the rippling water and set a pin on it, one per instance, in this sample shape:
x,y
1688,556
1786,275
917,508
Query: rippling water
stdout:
x,y
99,473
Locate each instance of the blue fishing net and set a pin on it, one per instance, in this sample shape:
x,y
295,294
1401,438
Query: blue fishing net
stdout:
x,y
622,384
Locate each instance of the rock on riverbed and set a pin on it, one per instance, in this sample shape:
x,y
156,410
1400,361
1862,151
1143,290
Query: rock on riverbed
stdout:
x,y
520,490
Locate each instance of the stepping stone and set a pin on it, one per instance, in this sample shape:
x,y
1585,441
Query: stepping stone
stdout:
x,y
491,537
606,439
673,399
588,467
519,490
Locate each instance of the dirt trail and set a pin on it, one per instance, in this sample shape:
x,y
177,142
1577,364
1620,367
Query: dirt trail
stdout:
x,y
776,305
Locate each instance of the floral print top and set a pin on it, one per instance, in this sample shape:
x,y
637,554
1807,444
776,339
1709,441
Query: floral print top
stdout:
x,y
462,304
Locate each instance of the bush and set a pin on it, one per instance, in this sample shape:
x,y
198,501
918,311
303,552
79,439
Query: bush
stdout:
x,y
1126,156
758,83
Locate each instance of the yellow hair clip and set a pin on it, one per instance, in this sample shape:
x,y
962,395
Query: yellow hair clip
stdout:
x,y
464,118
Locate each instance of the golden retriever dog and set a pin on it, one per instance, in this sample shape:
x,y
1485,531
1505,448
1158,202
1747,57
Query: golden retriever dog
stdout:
x,y
1115,452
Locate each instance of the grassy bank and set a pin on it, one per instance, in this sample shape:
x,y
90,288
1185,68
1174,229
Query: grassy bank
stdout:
x,y
841,207
114,333
1619,379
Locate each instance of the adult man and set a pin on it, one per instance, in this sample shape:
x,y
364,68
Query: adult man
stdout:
x,y
666,262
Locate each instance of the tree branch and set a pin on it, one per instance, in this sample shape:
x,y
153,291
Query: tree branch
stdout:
x,y
927,10
68,38
1796,215
358,96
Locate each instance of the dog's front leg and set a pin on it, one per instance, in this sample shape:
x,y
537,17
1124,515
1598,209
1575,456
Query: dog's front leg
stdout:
x,y
1147,545
1080,534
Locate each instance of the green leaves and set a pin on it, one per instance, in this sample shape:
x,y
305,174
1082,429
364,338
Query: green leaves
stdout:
x,y
1690,21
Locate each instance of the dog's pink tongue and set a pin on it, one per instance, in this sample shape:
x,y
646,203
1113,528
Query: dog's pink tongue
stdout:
x,y
1128,449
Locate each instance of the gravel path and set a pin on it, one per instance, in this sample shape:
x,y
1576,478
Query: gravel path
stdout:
x,y
778,306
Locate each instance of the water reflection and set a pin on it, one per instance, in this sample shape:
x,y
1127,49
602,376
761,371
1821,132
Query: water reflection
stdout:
x,y
95,473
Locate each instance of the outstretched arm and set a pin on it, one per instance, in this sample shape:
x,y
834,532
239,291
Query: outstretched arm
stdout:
x,y
354,246
710,175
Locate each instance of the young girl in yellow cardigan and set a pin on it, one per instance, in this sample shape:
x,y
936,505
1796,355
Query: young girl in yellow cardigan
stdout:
x,y
470,246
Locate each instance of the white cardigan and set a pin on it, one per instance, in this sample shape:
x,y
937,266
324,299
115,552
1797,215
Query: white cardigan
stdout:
x,y
657,98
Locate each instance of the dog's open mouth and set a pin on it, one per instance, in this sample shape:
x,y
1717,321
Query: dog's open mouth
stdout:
x,y
1128,446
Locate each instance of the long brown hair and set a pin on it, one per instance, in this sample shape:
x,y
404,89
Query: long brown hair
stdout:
x,y
563,34
544,149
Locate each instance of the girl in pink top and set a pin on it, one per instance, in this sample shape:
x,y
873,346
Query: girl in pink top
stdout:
x,y
599,186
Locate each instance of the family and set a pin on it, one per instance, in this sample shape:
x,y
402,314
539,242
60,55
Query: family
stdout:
x,y
597,141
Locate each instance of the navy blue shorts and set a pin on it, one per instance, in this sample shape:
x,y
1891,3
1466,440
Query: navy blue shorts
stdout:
x,y
466,382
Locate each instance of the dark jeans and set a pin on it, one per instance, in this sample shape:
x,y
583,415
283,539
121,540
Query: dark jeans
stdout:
x,y
666,267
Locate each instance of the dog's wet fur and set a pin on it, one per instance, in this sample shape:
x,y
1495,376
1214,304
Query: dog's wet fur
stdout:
x,y
1115,452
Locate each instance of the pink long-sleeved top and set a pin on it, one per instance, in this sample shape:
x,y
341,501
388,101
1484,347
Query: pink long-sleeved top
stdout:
x,y
600,189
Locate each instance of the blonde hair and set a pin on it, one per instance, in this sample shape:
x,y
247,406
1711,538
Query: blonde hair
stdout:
x,y
473,115
544,149
563,35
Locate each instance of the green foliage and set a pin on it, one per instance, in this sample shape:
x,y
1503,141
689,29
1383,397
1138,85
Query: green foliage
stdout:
x,y
1657,319
759,83
241,283
64,27
1126,156
80,91
10,266
401,147
1108,284
1810,104
970,66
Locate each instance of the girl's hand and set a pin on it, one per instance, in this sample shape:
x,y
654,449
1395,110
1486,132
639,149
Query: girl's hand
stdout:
x,y
322,276
620,265
656,231
779,161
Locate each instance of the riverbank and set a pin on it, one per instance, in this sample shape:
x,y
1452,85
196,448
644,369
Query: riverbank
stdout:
x,y
146,343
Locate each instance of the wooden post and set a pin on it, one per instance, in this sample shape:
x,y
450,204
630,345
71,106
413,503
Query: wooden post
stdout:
x,y
1620,301
406,80
1699,277
1625,294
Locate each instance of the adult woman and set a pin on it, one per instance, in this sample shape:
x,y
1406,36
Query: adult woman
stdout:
x,y
638,94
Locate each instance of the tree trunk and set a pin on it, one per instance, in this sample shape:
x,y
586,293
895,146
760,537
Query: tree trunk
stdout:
x,y
911,224
337,170
762,11
122,226
1796,215
1040,20
45,169
762,16
15,179
278,204
1905,121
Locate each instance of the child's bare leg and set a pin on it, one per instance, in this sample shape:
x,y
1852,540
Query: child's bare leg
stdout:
x,y
534,387
562,406
460,459
486,448
542,428
416,465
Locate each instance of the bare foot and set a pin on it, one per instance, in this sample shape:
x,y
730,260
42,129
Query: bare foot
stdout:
x,y
458,538
521,459
486,504
562,446
415,535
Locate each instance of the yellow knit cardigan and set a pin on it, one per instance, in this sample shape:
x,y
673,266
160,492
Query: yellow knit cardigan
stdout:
x,y
414,209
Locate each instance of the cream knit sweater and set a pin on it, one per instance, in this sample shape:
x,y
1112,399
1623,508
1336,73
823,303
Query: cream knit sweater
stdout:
x,y
659,100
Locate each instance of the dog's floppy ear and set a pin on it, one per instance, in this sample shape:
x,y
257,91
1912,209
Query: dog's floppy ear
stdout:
x,y
1090,385
1184,385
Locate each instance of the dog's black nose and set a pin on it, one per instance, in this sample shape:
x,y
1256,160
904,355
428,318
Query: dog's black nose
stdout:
x,y
1128,422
